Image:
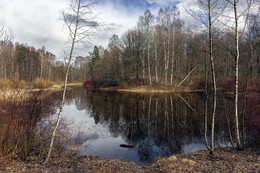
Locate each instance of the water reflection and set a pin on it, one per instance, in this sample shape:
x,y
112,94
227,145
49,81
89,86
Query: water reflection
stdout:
x,y
139,127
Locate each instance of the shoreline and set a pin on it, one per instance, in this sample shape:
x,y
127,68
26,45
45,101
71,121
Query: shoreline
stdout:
x,y
146,89
21,92
167,90
149,89
224,160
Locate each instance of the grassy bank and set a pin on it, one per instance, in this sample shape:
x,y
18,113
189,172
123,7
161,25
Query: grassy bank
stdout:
x,y
194,86
149,89
20,92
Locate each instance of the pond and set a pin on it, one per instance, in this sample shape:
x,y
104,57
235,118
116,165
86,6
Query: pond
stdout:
x,y
143,127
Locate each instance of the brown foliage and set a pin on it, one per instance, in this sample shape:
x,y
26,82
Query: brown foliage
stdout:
x,y
23,133
41,83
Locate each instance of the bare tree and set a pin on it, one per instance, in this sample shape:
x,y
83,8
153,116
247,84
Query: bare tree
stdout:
x,y
210,22
79,20
236,54
236,74
148,19
5,37
5,44
211,11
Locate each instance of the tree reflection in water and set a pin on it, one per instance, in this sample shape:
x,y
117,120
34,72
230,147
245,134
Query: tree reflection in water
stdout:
x,y
155,124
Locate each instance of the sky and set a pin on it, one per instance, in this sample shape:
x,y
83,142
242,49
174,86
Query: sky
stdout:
x,y
38,23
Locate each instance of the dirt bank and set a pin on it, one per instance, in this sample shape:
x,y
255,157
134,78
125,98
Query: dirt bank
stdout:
x,y
221,161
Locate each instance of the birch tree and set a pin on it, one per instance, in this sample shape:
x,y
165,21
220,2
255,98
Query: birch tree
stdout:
x,y
148,19
164,22
236,73
248,4
79,21
174,25
140,26
5,38
211,10
156,62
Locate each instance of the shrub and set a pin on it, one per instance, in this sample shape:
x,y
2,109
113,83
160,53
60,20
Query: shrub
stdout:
x,y
25,131
200,84
22,84
90,84
42,83
228,85
5,84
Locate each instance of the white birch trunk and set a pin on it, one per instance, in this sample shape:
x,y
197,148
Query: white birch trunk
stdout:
x,y
65,85
213,77
149,62
173,57
143,66
156,62
168,55
41,55
236,75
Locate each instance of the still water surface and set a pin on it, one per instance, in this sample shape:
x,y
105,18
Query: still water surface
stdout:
x,y
142,127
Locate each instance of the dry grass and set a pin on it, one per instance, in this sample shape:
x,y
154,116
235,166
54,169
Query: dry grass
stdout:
x,y
42,83
14,94
150,89
75,84
23,92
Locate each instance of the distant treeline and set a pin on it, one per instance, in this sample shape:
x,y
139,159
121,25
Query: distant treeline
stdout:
x,y
21,62
160,50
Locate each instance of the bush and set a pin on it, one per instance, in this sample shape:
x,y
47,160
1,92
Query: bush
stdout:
x,y
22,84
108,84
25,131
42,83
5,84
200,84
228,85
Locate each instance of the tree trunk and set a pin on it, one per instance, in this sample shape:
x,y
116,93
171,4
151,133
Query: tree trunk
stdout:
x,y
156,61
168,54
65,84
149,62
173,56
206,103
165,64
236,75
213,78
41,67
187,75
143,66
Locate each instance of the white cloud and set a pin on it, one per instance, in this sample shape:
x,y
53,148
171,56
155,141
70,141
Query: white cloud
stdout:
x,y
192,7
163,1
121,20
223,21
34,22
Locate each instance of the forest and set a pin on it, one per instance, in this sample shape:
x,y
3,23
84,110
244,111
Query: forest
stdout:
x,y
161,50
218,59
